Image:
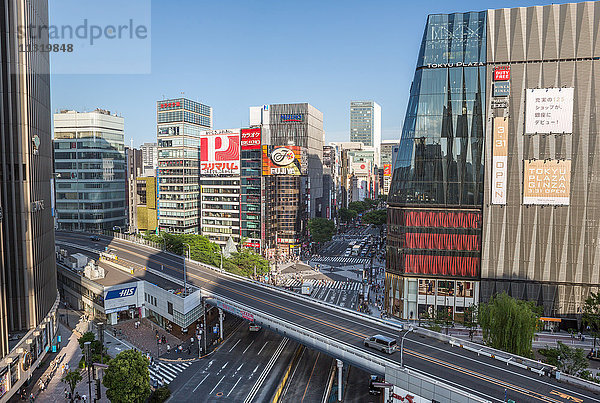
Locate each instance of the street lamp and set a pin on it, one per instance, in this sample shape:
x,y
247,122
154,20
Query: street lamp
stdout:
x,y
410,329
88,364
115,228
185,268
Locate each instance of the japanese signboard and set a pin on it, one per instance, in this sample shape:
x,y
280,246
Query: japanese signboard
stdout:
x,y
220,152
387,169
250,139
502,73
284,160
499,160
547,182
502,89
361,168
236,311
549,110
400,395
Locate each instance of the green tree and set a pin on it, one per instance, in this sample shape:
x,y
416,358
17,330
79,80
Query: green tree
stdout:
x,y
160,395
568,360
470,320
247,261
72,379
127,379
321,229
98,353
370,203
347,214
358,206
375,217
591,315
509,324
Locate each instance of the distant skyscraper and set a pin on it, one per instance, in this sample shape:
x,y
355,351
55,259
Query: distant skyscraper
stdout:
x,y
89,159
365,124
28,294
179,123
149,156
134,170
386,163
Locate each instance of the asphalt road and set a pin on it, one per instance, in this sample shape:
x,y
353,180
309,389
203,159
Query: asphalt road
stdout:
x,y
309,378
246,368
481,376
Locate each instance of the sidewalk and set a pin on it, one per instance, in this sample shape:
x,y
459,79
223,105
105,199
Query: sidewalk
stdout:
x,y
69,354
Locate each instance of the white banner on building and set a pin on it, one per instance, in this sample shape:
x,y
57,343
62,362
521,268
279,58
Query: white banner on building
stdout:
x,y
400,395
549,110
499,160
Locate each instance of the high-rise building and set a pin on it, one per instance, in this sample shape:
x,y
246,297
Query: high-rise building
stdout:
x,y
90,164
365,124
299,125
179,123
493,188
28,290
385,165
220,185
134,169
149,158
251,189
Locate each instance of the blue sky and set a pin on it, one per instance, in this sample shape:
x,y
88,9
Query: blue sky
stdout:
x,y
233,54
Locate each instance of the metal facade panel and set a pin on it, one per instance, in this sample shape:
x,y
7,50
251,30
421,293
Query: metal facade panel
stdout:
x,y
550,254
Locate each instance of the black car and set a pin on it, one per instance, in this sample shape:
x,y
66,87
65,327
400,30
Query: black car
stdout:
x,y
94,238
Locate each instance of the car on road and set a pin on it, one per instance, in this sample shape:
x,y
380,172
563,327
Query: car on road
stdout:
x,y
381,343
347,253
254,327
94,238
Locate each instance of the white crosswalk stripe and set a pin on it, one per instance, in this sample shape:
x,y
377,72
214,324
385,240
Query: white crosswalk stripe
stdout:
x,y
342,259
166,372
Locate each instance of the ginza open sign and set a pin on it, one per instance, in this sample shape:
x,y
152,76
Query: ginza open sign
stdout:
x,y
282,157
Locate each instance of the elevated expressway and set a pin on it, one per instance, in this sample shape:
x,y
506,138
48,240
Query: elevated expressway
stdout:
x,y
435,366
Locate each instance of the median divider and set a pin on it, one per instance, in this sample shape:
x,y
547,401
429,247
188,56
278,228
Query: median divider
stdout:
x,y
286,375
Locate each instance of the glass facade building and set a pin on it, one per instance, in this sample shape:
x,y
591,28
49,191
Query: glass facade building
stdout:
x,y
436,195
89,160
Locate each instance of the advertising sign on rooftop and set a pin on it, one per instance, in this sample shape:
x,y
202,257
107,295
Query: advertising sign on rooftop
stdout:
x,y
284,160
549,110
250,139
361,168
547,182
220,152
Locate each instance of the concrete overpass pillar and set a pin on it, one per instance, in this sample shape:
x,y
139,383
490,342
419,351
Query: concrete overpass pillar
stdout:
x,y
220,323
340,366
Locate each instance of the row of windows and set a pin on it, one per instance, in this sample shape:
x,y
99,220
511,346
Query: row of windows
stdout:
x,y
90,196
90,155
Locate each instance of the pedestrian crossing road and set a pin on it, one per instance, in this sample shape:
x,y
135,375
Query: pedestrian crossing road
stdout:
x,y
163,373
341,293
342,259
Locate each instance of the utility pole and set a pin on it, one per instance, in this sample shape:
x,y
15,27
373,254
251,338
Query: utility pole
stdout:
x,y
101,338
205,324
88,364
185,252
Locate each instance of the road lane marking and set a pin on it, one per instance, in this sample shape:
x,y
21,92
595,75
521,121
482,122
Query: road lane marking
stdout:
x,y
268,367
238,381
240,367
244,352
213,389
260,351
310,377
231,349
200,383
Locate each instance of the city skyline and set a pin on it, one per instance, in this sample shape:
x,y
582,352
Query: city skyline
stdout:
x,y
333,75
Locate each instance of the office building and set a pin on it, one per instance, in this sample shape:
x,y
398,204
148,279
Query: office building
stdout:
x,y
179,124
385,165
145,204
365,124
296,125
251,189
28,293
90,165
149,158
134,169
493,186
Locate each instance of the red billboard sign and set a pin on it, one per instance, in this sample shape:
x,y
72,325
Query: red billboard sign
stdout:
x,y
387,169
502,73
220,152
251,139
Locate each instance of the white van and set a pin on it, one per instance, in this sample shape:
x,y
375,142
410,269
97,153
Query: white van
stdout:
x,y
382,343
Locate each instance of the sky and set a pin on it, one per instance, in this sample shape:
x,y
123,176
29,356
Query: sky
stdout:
x,y
232,54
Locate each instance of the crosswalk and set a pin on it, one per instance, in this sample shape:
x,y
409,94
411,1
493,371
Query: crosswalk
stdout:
x,y
342,259
317,284
163,372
